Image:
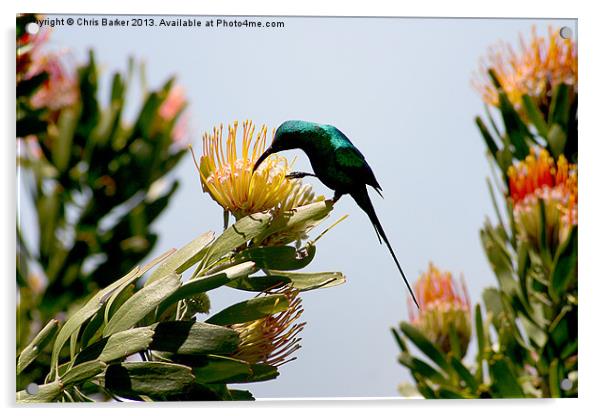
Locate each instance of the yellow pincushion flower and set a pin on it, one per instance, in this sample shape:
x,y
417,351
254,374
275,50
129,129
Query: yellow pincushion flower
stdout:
x,y
536,69
442,305
228,176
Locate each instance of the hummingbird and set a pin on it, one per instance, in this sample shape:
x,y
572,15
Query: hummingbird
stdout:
x,y
338,164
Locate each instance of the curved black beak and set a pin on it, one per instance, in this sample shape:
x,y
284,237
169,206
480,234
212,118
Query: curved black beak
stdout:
x,y
263,157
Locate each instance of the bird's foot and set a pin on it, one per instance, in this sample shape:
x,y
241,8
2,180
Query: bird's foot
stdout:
x,y
298,175
336,197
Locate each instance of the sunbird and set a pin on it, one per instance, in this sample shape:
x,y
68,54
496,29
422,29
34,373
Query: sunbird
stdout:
x,y
337,163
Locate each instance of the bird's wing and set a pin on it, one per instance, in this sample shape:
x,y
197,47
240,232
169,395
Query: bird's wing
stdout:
x,y
350,159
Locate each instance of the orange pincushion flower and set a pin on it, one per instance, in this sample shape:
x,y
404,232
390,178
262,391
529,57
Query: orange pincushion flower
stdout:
x,y
272,339
535,70
442,305
539,177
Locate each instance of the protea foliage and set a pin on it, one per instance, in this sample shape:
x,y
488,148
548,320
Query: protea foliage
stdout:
x,y
526,336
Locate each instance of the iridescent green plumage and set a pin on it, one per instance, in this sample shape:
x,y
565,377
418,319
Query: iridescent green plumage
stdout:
x,y
337,163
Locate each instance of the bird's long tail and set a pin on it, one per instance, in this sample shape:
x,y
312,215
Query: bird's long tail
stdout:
x,y
362,198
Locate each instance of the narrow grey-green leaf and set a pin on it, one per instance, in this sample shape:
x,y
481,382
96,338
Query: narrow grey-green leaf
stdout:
x,y
236,235
465,374
87,311
148,378
564,269
426,346
118,346
535,115
489,140
504,383
250,310
216,369
298,280
422,368
554,379
82,372
31,351
557,140
206,283
189,337
278,257
142,303
183,258
307,214
46,393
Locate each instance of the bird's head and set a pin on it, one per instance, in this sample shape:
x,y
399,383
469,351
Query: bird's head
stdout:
x,y
287,137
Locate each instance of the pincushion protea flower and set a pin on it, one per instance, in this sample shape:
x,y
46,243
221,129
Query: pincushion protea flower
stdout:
x,y
172,107
60,89
536,178
442,305
535,70
273,339
229,178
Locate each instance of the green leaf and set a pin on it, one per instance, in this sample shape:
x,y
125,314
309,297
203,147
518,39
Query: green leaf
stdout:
x,y
117,346
306,215
481,341
426,346
504,381
516,130
148,114
493,303
489,140
557,140
62,148
450,393
207,283
250,310
217,369
91,331
499,258
46,393
26,87
494,79
142,303
117,300
261,372
148,378
465,375
182,259
559,107
535,115
554,379
87,311
236,235
504,160
422,368
278,257
240,395
454,341
31,351
82,372
189,337
400,341
564,268
300,281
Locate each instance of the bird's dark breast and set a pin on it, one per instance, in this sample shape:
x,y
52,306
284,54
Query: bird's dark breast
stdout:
x,y
330,175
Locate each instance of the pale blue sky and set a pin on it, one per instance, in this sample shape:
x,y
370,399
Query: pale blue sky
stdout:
x,y
400,90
